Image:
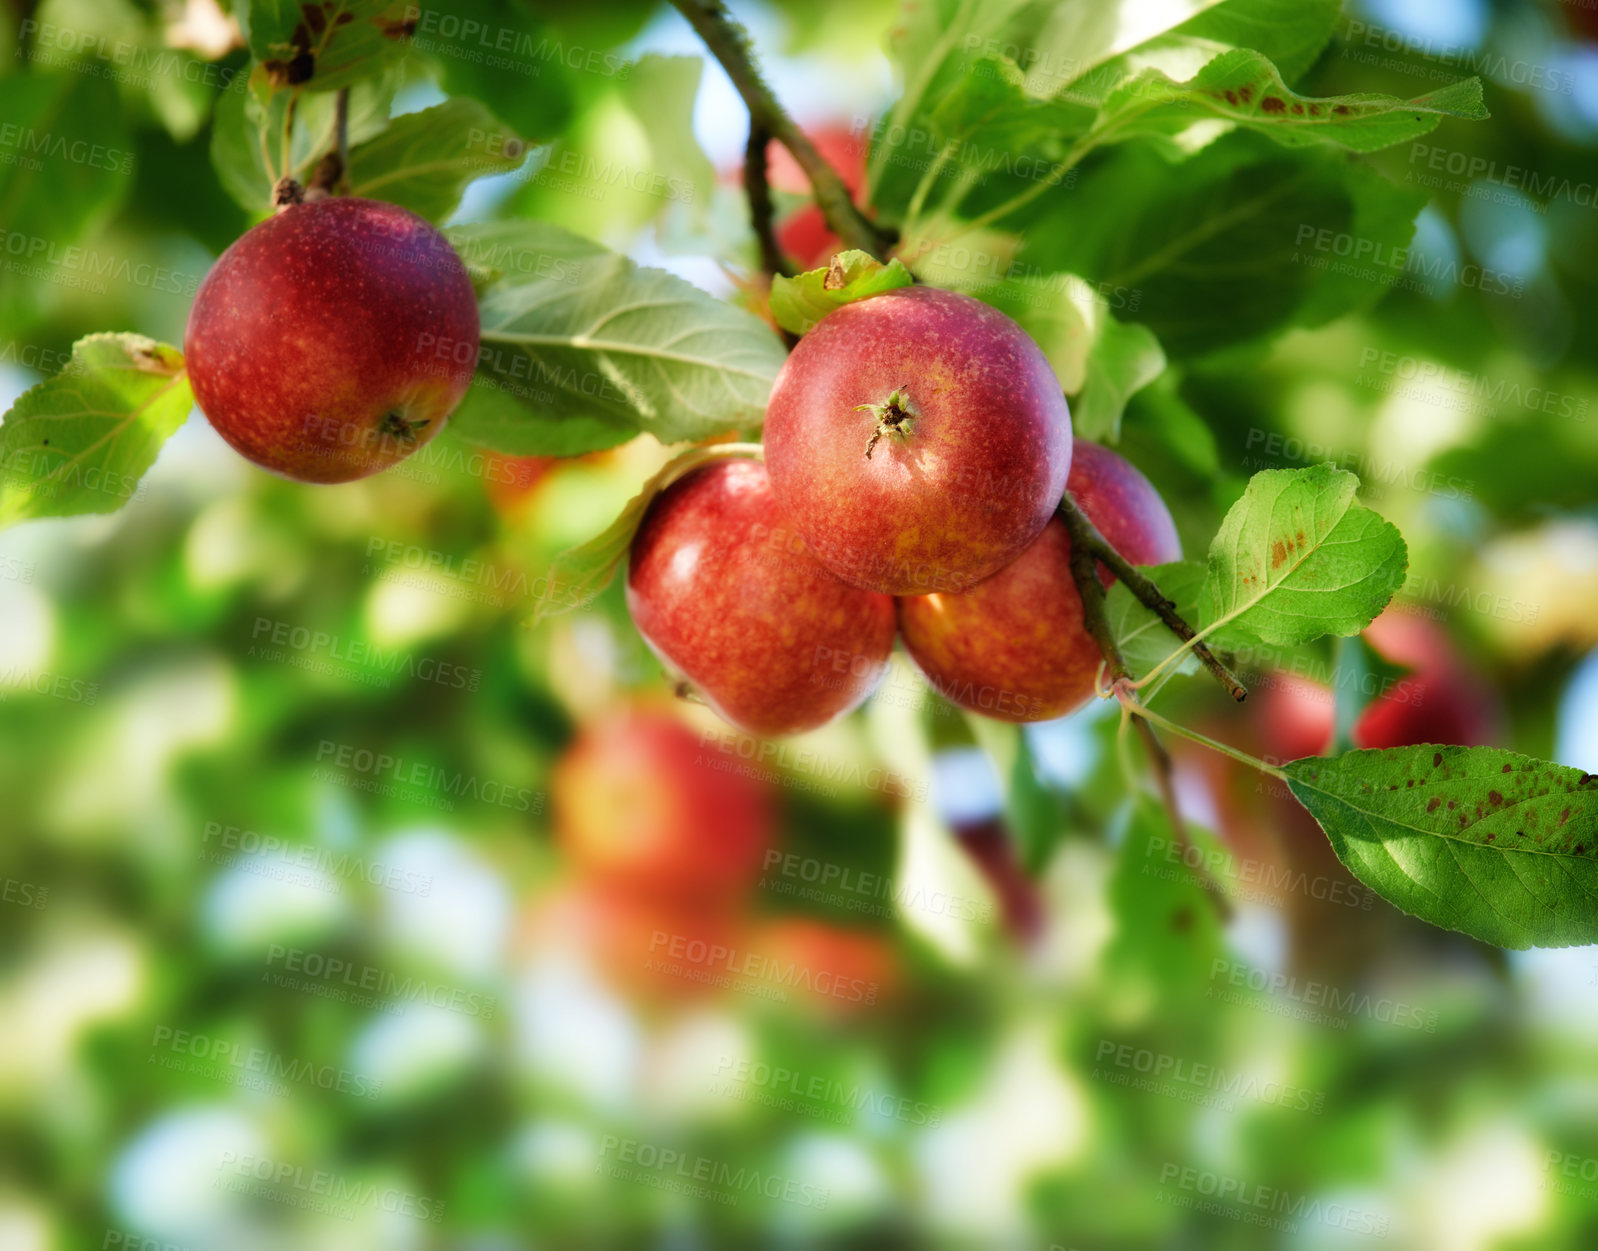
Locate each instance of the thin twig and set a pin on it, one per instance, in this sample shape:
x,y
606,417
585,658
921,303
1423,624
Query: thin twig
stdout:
x,y
1085,540
332,174
1147,593
758,189
729,43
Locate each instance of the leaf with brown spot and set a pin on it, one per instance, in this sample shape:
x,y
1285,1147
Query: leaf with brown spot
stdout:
x,y
1297,558
1480,874
1153,103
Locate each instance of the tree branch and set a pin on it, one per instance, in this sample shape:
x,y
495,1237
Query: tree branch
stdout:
x,y
759,192
1085,544
1147,593
730,44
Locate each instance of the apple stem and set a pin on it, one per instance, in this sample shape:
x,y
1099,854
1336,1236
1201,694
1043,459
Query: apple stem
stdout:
x,y
1085,534
730,44
286,194
895,415
1085,574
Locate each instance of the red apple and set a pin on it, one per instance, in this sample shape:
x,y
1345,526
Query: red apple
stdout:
x,y
917,441
1443,701
728,597
1014,646
1439,701
643,803
1296,716
334,339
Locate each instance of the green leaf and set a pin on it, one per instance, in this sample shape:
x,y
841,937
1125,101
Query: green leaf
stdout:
x,y
608,341
927,49
526,80
322,45
1243,88
424,160
661,92
1488,842
1101,362
520,419
1167,932
1297,558
798,303
1144,639
1224,247
73,162
582,572
1096,48
80,442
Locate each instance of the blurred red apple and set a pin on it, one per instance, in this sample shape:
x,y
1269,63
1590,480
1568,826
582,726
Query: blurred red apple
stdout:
x,y
630,941
333,339
726,594
1444,701
957,462
824,967
803,234
644,804
511,480
1296,717
1441,700
1014,646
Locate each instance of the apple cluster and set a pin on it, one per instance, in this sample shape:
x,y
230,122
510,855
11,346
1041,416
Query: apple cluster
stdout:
x,y
917,446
